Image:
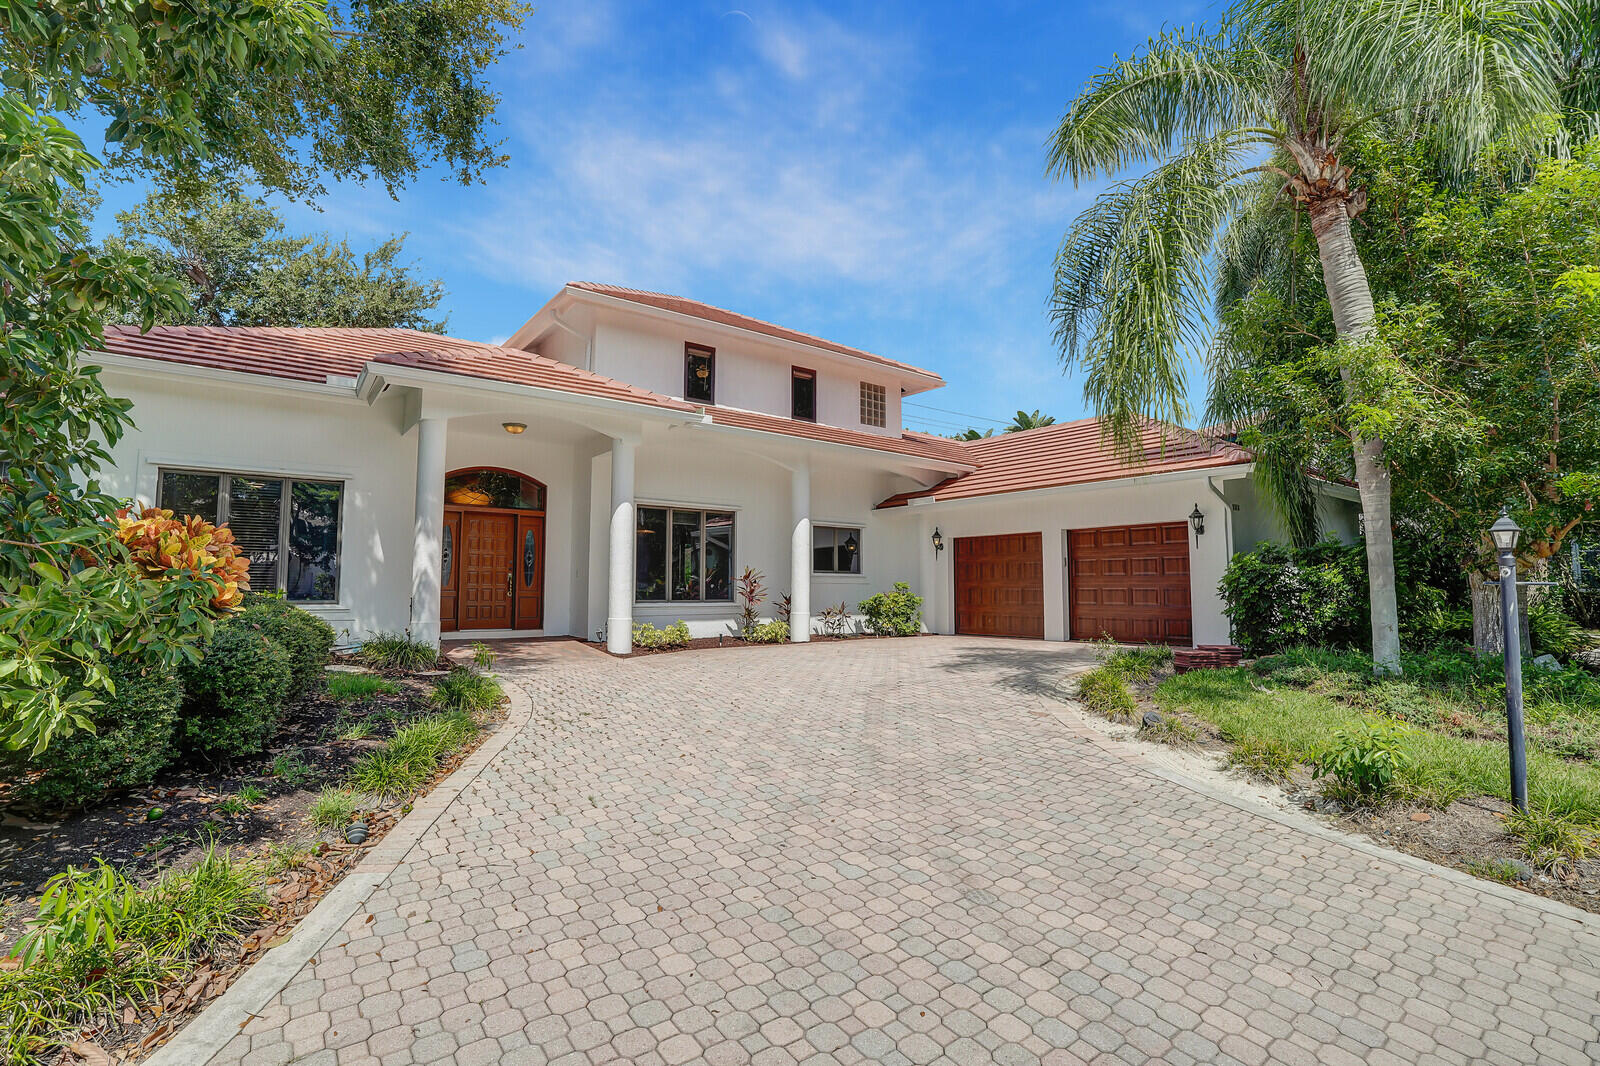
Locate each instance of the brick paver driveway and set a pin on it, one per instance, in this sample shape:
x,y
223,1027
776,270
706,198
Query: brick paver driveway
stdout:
x,y
895,851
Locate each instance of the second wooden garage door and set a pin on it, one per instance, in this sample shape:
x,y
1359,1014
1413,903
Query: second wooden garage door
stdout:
x,y
1131,582
1000,585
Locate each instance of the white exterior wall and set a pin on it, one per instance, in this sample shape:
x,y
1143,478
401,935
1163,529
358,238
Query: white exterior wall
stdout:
x,y
702,471
209,425
1053,513
749,375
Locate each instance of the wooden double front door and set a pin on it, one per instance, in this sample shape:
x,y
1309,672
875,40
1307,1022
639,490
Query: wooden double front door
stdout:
x,y
492,573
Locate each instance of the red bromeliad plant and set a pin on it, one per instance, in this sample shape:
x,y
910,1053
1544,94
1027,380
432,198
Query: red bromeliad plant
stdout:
x,y
159,543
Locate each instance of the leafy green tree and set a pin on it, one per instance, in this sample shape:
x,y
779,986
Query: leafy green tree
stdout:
x,y
1278,88
1486,383
1024,420
194,95
238,268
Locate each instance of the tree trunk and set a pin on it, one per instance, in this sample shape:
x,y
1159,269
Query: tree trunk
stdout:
x,y
1350,298
1487,638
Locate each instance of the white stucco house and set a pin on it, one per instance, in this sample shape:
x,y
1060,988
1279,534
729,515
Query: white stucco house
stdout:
x,y
626,454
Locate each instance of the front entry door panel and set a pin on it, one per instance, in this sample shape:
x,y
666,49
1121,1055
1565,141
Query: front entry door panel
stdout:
x,y
486,588
529,560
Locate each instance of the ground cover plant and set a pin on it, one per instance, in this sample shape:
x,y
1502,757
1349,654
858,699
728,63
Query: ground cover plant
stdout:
x,y
176,856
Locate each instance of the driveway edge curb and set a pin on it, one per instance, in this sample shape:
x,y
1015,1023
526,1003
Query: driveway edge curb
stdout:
x,y
1359,844
247,997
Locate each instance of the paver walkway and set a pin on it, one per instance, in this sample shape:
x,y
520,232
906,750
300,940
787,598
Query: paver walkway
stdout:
x,y
895,851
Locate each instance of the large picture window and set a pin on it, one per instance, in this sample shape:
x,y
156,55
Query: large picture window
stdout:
x,y
835,550
683,556
287,527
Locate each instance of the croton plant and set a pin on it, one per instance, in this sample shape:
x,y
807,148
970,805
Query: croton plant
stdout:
x,y
159,543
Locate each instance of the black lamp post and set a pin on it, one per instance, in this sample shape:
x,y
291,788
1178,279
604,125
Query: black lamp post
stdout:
x,y
1505,533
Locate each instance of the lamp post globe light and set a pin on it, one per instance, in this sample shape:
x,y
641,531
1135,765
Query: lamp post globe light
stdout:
x,y
1506,533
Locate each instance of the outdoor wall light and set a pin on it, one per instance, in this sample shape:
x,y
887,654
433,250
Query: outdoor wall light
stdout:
x,y
1197,519
938,540
513,428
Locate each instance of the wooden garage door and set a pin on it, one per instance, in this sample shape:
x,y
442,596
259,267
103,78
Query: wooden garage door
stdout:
x,y
1000,585
1131,582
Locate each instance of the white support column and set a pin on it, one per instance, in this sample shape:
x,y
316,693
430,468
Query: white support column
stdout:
x,y
619,589
428,530
800,554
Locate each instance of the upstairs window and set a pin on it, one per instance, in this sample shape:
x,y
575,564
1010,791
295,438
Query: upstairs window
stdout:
x,y
835,550
287,527
874,405
803,394
699,374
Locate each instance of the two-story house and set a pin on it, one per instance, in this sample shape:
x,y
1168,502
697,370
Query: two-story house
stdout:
x,y
626,455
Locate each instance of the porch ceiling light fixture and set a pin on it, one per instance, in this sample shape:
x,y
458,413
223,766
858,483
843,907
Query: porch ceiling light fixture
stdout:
x,y
938,540
513,428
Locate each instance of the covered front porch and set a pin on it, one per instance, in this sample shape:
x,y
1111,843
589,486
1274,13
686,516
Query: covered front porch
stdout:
x,y
558,515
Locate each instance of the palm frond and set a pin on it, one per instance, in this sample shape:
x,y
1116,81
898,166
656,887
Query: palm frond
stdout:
x,y
1472,71
1131,285
1185,86
1257,245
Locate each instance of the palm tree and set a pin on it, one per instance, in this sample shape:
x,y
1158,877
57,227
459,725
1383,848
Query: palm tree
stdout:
x,y
1278,88
1024,420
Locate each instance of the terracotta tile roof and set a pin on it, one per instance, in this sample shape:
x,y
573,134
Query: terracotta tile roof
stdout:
x,y
306,354
721,316
918,445
1071,453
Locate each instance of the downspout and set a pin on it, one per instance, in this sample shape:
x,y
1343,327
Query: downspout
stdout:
x,y
1227,516
588,341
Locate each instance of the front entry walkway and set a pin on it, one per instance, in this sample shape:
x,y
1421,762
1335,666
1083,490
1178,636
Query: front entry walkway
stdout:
x,y
899,852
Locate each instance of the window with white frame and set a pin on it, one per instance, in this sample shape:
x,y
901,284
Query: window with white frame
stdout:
x,y
287,527
874,404
835,550
683,555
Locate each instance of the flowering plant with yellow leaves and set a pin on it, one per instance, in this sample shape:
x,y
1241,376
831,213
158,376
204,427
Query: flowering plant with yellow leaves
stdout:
x,y
159,542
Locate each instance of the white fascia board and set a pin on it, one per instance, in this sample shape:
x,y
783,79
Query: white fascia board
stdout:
x,y
1336,490
928,380
159,368
375,376
1201,474
829,447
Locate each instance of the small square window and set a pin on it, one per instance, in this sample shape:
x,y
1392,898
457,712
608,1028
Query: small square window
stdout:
x,y
835,550
874,404
699,374
803,393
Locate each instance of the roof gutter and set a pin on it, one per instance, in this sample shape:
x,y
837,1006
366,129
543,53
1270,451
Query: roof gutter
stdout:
x,y
375,376
926,500
709,424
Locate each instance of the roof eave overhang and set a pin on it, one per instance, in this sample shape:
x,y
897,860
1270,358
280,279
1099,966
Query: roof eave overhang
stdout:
x,y
376,376
928,501
923,380
338,389
829,447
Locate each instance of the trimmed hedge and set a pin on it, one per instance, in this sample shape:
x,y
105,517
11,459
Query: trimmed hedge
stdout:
x,y
132,742
307,638
236,692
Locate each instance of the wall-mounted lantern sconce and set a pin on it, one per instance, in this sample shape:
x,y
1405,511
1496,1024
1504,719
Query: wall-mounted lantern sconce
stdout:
x,y
938,541
513,428
1197,519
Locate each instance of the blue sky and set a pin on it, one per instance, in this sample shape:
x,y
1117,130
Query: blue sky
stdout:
x,y
871,173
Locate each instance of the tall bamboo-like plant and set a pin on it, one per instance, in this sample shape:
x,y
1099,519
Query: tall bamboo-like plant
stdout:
x,y
1277,88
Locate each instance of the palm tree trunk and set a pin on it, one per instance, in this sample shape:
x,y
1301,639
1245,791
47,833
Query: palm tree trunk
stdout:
x,y
1353,317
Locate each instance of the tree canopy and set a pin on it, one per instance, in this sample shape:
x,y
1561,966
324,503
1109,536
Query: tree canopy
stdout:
x,y
237,267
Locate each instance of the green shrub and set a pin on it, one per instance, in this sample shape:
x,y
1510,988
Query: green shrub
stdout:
x,y
132,742
397,651
646,635
234,695
1265,759
1364,759
343,687
774,632
1551,631
307,638
1104,691
464,689
897,613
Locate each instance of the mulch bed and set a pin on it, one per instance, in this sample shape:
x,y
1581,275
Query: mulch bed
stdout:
x,y
34,847
1469,832
729,641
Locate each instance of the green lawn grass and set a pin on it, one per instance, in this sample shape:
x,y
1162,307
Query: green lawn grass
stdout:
x,y
1255,710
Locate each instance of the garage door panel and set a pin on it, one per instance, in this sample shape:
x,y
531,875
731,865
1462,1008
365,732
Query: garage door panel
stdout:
x,y
1000,585
1130,583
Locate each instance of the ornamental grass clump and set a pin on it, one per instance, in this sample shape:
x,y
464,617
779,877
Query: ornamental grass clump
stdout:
x,y
397,651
